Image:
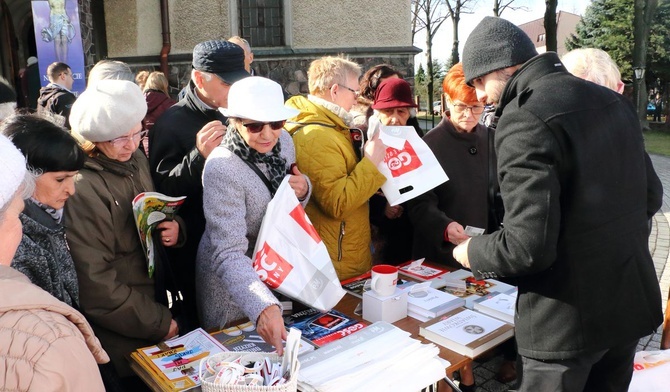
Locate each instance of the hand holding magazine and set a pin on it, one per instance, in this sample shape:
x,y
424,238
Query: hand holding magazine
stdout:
x,y
149,209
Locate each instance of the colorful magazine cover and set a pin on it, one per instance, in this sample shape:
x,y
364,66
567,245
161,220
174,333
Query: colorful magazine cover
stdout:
x,y
149,209
322,328
175,362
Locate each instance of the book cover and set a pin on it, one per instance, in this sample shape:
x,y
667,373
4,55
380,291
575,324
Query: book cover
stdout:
x,y
322,328
245,338
474,289
357,285
149,209
419,270
466,332
429,302
174,363
498,305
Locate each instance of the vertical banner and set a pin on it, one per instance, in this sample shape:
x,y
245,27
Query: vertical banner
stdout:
x,y
58,38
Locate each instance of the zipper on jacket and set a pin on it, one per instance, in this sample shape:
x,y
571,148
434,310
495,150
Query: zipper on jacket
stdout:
x,y
339,241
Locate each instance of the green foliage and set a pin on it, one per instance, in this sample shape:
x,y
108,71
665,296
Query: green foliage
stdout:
x,y
420,76
421,82
608,25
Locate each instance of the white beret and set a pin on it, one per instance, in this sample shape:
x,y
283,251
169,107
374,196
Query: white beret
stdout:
x,y
13,165
107,110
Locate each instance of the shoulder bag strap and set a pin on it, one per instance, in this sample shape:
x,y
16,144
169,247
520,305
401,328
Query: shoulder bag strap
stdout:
x,y
261,175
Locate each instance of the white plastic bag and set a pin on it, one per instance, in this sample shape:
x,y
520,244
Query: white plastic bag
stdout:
x,y
651,371
291,258
409,166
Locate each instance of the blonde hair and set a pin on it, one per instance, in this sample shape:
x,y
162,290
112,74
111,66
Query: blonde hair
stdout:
x,y
329,70
594,65
157,81
141,78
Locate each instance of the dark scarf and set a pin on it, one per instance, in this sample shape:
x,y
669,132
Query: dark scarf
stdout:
x,y
273,160
57,215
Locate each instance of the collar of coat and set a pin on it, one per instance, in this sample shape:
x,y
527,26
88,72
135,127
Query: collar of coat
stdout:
x,y
534,69
100,162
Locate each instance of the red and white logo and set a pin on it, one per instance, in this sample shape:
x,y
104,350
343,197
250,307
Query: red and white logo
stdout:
x,y
271,267
401,161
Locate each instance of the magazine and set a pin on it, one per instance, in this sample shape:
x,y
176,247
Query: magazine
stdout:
x,y
173,364
149,209
245,338
322,328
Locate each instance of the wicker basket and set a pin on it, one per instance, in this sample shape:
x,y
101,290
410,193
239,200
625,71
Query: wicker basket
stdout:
x,y
290,386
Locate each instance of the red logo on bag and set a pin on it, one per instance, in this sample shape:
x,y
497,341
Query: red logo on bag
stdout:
x,y
298,214
271,267
401,161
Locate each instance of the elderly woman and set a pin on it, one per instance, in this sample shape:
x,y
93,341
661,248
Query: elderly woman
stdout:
x,y
393,105
239,179
45,345
465,152
54,155
116,293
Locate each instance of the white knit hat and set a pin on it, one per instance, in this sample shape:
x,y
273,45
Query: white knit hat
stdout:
x,y
13,172
108,109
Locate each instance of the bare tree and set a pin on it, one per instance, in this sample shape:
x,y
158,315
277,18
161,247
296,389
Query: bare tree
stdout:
x,y
550,25
642,20
501,5
456,8
428,15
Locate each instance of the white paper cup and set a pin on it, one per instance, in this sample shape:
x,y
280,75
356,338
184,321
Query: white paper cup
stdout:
x,y
384,279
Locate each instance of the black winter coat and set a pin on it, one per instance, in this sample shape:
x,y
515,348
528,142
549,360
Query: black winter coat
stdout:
x,y
56,100
578,191
176,168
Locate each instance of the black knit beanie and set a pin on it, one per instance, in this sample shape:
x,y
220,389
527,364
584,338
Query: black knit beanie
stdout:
x,y
495,44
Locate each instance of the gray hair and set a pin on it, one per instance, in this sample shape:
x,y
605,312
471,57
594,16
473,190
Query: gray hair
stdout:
x,y
110,69
594,65
205,75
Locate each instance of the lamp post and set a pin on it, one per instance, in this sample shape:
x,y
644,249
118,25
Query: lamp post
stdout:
x,y
640,103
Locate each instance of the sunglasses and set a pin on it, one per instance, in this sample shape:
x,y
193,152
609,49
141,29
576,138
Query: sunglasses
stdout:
x,y
256,127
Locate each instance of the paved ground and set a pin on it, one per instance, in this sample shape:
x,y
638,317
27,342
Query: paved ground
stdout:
x,y
659,245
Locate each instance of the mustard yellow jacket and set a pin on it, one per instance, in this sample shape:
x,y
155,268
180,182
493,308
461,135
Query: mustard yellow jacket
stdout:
x,y
341,184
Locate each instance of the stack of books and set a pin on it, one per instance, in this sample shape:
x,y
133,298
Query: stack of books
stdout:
x,y
466,332
173,365
498,305
425,303
245,338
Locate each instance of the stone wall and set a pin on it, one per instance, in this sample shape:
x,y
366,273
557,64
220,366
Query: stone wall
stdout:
x,y
290,73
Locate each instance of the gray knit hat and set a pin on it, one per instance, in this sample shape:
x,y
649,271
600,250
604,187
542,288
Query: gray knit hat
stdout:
x,y
495,44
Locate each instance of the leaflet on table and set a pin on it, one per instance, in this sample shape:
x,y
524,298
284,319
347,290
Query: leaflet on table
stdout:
x,y
418,270
149,209
322,328
474,288
381,357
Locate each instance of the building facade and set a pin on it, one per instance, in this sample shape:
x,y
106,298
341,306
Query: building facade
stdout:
x,y
285,35
566,25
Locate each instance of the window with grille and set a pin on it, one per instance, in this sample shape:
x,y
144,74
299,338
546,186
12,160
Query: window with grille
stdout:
x,y
261,22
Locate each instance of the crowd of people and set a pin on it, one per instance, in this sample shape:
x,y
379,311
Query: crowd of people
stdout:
x,y
559,183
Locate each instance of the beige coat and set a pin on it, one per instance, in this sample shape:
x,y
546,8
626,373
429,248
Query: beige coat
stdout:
x,y
45,345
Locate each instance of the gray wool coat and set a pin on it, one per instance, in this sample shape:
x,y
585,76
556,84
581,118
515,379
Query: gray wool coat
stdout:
x,y
234,200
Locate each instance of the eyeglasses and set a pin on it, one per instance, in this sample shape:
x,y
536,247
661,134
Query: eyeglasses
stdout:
x,y
460,107
256,127
356,92
136,137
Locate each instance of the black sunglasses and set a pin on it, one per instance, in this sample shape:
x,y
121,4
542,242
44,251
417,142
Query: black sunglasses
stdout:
x,y
256,127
